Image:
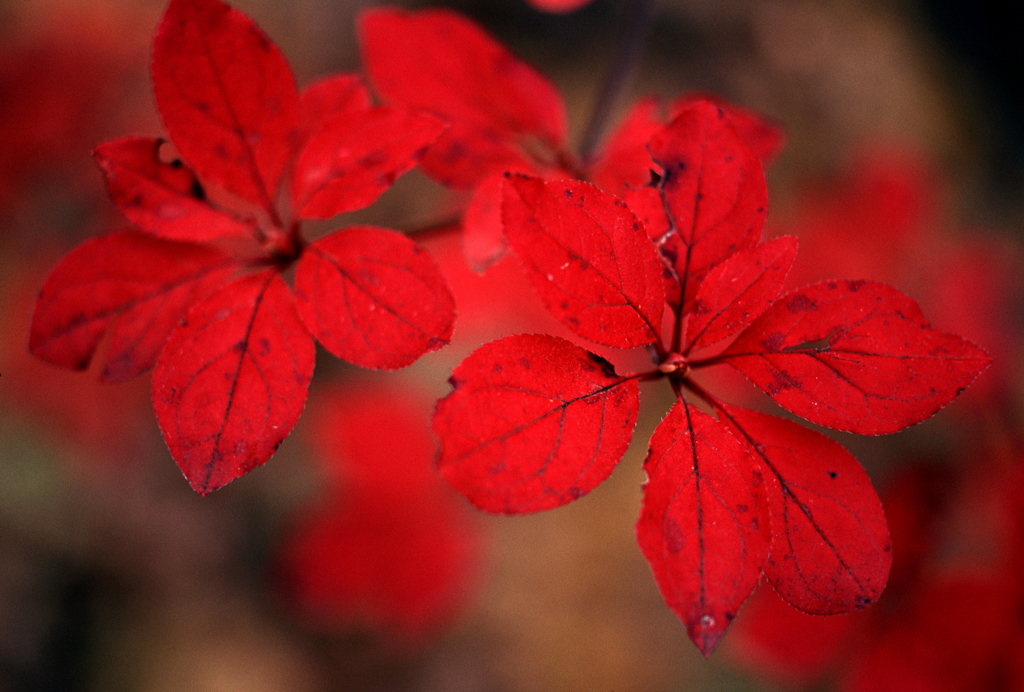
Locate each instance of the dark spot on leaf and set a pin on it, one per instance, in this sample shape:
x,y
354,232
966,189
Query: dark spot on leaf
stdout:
x,y
574,492
525,362
239,347
832,285
783,380
198,191
568,194
772,342
742,509
674,536
833,474
264,347
607,368
855,285
700,308
497,368
801,303
755,524
730,616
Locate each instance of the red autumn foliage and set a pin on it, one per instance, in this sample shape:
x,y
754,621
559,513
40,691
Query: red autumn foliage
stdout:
x,y
197,289
653,243
727,497
504,115
387,546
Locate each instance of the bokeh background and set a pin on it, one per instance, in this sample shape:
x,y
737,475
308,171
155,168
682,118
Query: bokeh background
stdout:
x,y
904,163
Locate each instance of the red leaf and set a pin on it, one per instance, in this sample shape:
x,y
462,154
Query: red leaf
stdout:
x,y
393,547
739,289
165,199
356,157
232,380
714,192
127,283
704,524
374,297
441,62
227,97
764,137
830,550
483,238
327,98
855,356
533,422
624,162
588,257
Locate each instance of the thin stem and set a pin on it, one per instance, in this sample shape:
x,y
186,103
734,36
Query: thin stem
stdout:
x,y
620,73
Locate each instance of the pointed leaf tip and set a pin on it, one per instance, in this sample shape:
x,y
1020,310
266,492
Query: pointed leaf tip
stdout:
x,y
232,380
703,527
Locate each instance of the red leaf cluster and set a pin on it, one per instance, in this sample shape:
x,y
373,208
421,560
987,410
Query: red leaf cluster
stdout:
x,y
195,289
676,266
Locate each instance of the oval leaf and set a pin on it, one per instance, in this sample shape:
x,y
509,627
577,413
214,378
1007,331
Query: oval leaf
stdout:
x,y
226,95
714,191
533,422
830,549
703,526
856,356
373,297
739,289
232,380
358,155
165,199
589,258
128,283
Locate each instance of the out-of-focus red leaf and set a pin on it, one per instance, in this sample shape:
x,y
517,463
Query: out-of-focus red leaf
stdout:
x,y
764,137
356,157
714,192
165,199
232,380
483,238
559,6
704,523
830,550
588,257
440,62
374,297
738,290
227,97
129,284
623,161
533,422
390,547
927,649
856,356
326,98
787,646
